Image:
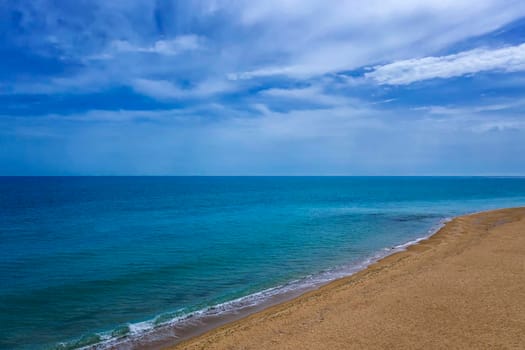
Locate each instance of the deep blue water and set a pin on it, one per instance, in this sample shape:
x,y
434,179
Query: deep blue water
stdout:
x,y
84,257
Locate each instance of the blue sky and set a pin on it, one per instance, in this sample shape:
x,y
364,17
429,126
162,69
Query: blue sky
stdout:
x,y
288,87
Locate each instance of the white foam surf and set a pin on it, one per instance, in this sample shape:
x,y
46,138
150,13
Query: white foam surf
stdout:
x,y
150,331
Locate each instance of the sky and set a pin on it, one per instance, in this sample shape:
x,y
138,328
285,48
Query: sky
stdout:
x,y
274,87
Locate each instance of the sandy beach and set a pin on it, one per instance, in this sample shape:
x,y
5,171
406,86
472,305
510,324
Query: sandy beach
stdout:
x,y
464,287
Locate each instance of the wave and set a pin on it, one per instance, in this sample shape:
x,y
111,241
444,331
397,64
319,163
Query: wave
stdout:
x,y
169,328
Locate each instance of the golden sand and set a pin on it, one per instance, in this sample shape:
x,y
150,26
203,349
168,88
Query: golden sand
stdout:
x,y
463,288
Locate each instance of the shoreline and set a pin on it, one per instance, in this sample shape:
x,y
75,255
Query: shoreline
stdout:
x,y
197,323
261,323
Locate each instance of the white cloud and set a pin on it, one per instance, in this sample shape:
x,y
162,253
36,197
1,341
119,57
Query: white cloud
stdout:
x,y
507,59
310,94
247,40
173,46
163,89
311,38
157,88
340,140
499,125
260,73
484,108
122,43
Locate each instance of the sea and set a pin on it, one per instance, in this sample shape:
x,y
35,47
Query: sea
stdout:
x,y
133,262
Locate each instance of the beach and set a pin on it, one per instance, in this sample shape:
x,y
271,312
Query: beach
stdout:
x,y
169,259
464,287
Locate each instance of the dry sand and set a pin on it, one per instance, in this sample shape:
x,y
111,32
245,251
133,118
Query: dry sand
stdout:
x,y
463,288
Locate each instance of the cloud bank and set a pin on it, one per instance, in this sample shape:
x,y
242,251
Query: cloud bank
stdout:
x,y
200,41
274,87
507,59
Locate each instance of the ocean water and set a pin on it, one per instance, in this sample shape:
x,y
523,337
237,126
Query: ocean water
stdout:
x,y
107,261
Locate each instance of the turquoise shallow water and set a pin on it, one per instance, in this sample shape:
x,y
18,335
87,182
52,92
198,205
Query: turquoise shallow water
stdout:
x,y
87,259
